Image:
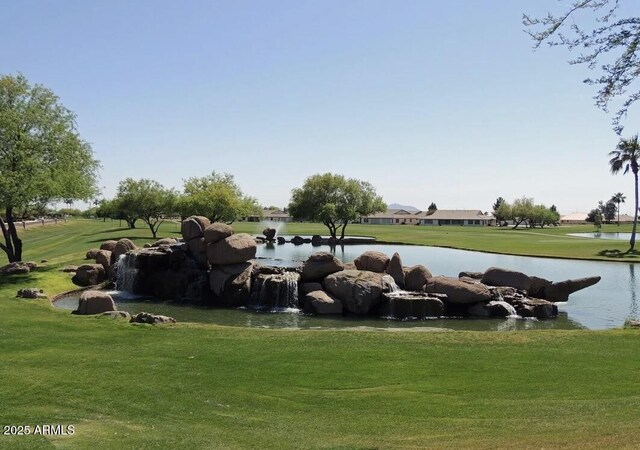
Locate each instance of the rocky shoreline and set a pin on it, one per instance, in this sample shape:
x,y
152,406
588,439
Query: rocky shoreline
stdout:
x,y
215,267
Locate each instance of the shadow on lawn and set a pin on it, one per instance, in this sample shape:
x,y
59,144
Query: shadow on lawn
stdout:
x,y
110,230
615,253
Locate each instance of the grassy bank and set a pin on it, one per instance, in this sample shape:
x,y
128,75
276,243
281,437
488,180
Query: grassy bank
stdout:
x,y
548,242
67,241
201,386
189,386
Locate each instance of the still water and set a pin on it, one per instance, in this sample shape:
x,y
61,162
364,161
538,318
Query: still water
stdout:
x,y
610,236
606,305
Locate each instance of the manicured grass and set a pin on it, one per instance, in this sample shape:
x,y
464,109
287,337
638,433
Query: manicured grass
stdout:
x,y
550,242
188,386
202,386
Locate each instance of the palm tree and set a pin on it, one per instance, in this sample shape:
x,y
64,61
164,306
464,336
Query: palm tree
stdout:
x,y
618,198
626,156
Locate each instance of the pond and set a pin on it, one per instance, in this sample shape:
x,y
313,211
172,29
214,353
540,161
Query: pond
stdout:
x,y
606,305
611,236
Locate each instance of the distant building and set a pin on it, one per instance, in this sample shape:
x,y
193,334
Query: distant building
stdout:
x,y
574,219
272,215
439,217
624,218
392,217
460,217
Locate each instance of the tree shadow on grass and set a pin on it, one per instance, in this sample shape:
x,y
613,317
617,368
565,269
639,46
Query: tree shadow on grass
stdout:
x,y
615,253
117,238
110,230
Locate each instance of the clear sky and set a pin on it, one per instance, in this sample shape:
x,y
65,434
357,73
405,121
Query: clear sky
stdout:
x,y
427,100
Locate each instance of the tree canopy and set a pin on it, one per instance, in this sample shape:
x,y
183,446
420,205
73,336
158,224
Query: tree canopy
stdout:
x,y
334,200
42,156
524,211
147,200
625,158
217,197
609,45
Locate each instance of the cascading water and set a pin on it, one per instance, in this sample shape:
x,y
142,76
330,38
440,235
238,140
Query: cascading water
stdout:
x,y
278,291
511,311
126,272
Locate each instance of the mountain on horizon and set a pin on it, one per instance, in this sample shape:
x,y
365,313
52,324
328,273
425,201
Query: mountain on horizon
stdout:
x,y
405,207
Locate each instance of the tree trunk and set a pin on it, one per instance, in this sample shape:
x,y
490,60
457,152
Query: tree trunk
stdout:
x,y
13,244
331,227
618,213
632,242
131,223
344,227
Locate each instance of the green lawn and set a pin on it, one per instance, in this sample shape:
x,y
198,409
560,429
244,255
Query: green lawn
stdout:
x,y
550,242
201,386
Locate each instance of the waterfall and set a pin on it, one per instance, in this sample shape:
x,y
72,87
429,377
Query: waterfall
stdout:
x,y
509,308
393,287
126,271
278,291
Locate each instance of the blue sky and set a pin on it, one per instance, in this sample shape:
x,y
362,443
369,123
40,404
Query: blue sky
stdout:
x,y
429,101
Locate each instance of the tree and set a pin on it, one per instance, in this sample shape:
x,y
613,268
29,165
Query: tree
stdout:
x,y
521,211
148,200
42,156
612,47
625,156
597,220
432,208
503,213
618,198
608,210
217,197
499,212
105,210
334,200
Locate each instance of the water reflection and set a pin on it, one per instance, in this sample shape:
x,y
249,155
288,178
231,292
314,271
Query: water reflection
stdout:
x,y
633,308
605,305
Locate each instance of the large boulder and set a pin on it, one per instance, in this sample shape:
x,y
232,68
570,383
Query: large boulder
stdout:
x,y
234,249
320,302
108,245
495,276
404,304
164,241
269,233
15,268
297,240
319,265
538,287
89,275
94,302
372,261
231,284
559,292
104,257
91,254
152,319
216,232
123,246
395,269
359,290
416,277
458,291
193,227
305,288
534,307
